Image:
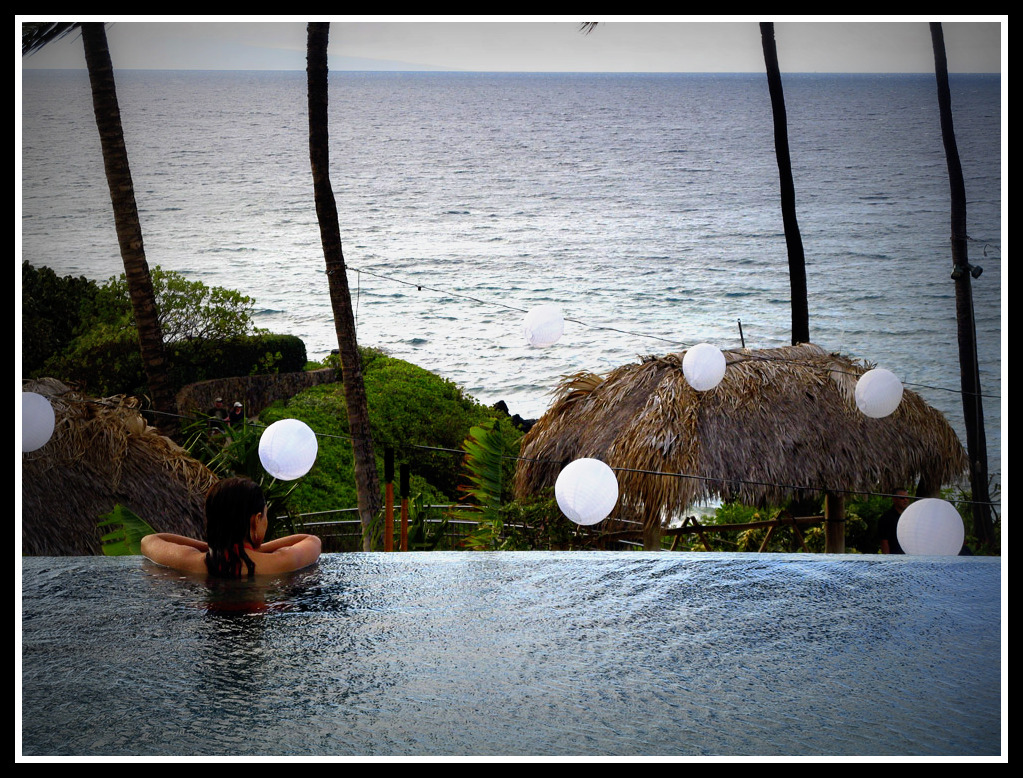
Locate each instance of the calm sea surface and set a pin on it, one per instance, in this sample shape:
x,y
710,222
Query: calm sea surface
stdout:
x,y
643,203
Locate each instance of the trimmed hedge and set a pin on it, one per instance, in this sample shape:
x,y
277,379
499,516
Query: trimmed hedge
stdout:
x,y
200,360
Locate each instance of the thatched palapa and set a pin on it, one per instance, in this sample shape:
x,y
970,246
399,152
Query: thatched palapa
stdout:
x,y
782,424
103,453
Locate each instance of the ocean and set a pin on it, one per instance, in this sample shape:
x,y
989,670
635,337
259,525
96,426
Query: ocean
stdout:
x,y
645,206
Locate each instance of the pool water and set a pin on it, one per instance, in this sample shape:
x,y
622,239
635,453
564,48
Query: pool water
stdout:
x,y
515,654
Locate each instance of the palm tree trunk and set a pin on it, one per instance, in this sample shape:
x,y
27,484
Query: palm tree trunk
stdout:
x,y
126,221
367,482
969,371
793,241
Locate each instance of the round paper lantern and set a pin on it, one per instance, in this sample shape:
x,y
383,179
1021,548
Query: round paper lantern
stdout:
x,y
931,527
586,491
878,393
543,326
287,449
37,421
703,366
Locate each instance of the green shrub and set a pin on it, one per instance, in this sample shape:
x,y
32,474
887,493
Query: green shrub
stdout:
x,y
51,314
83,332
422,416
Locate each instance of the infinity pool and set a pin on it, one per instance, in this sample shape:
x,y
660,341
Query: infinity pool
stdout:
x,y
550,654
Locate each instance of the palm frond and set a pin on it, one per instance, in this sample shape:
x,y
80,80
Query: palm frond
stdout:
x,y
127,531
36,35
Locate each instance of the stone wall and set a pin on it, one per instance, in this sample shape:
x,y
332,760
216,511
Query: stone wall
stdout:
x,y
254,392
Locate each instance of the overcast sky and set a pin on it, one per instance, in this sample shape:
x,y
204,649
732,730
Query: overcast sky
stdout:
x,y
619,44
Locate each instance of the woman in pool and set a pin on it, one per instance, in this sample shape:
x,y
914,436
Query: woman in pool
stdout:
x,y
235,526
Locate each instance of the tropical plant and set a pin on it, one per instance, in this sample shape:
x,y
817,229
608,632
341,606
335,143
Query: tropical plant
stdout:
x,y
126,532
487,453
367,481
421,537
36,35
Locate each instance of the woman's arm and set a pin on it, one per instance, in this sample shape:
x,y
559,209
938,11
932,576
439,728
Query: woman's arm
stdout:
x,y
181,540
286,554
290,540
176,551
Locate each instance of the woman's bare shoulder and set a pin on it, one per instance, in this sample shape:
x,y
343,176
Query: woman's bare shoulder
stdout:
x,y
175,551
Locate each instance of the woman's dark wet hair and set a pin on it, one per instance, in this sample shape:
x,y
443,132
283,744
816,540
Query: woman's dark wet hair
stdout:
x,y
230,505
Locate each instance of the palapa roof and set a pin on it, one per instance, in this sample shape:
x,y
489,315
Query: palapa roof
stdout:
x,y
103,453
780,420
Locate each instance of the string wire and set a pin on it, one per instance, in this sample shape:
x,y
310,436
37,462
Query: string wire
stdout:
x,y
462,452
737,352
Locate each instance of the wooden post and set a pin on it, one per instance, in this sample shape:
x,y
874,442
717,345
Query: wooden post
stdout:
x,y
652,530
403,482
389,499
834,523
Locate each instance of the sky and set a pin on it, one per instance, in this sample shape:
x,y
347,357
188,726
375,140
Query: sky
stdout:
x,y
543,44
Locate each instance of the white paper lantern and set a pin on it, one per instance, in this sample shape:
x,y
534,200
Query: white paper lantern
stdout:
x,y
37,421
543,326
586,491
931,527
288,449
703,366
878,393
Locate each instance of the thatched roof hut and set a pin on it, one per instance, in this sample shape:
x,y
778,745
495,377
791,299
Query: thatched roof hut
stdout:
x,y
103,453
782,423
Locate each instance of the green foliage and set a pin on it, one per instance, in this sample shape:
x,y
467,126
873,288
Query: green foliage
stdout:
x,y
537,524
410,405
860,537
330,484
127,531
862,514
422,535
503,524
51,314
410,409
267,364
83,332
190,310
962,497
486,451
200,360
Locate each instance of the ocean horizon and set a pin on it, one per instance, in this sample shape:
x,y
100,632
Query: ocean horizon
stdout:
x,y
645,205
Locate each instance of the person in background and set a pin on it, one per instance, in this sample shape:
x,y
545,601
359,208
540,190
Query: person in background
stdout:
x,y
236,416
218,415
887,525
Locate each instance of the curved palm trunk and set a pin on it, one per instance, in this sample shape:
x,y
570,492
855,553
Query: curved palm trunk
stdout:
x,y
126,219
969,371
793,241
122,198
367,482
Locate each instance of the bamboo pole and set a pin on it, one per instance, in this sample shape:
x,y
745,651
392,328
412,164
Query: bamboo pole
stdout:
x,y
403,482
389,499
